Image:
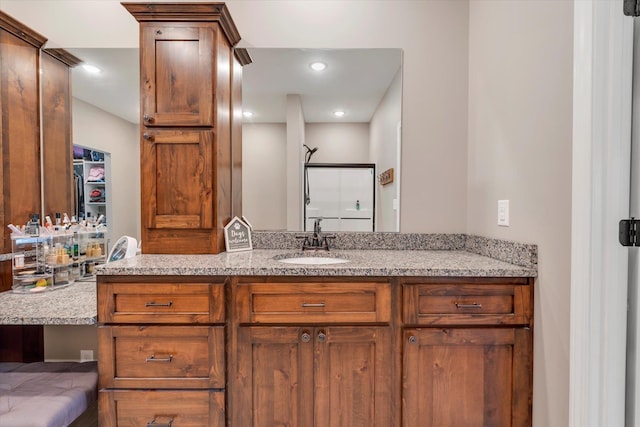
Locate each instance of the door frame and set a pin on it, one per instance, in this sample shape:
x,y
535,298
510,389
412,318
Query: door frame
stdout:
x,y
603,44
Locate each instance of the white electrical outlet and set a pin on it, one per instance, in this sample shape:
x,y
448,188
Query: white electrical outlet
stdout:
x,y
86,355
503,213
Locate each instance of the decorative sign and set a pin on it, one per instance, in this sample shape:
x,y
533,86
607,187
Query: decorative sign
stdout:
x,y
237,236
386,177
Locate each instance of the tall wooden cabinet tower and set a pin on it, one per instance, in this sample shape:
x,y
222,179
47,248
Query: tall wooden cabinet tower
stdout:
x,y
187,156
35,130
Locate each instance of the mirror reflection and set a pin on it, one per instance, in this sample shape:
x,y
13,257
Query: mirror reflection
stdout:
x,y
291,104
335,107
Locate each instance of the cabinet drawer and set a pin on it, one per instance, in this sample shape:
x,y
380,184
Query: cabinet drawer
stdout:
x,y
160,303
313,302
184,408
161,357
467,303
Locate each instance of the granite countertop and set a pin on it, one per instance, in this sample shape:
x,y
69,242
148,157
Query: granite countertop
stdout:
x,y
395,254
71,305
262,262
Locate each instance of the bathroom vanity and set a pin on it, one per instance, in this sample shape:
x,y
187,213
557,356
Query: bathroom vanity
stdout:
x,y
389,338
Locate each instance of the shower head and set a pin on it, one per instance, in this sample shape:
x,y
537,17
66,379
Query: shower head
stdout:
x,y
309,153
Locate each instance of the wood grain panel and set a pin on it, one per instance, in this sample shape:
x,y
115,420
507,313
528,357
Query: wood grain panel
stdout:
x,y
183,408
274,381
483,303
465,377
162,357
353,379
57,141
176,70
314,302
19,92
161,303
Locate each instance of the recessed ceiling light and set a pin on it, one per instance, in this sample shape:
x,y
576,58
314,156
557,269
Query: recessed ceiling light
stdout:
x,y
318,66
247,113
91,69
338,113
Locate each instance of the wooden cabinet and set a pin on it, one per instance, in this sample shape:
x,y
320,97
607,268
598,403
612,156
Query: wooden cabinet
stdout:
x,y
161,351
35,141
20,136
467,352
313,367
57,140
315,351
188,164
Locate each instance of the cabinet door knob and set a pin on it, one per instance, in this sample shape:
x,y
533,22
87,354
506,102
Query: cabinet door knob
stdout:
x,y
147,136
322,336
413,339
306,336
154,423
147,118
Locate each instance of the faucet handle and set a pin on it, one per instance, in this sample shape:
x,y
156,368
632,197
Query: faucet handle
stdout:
x,y
316,226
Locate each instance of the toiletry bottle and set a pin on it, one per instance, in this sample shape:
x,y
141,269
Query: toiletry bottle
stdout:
x,y
357,205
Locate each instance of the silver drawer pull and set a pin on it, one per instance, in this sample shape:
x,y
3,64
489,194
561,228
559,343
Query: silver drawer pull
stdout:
x,y
154,423
311,304
159,304
474,305
153,358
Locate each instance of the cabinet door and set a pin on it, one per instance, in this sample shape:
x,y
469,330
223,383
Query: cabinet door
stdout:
x,y
176,72
324,377
467,377
353,385
57,156
20,131
274,378
177,179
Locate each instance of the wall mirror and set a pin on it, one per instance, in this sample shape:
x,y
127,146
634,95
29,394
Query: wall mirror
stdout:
x,y
291,104
290,119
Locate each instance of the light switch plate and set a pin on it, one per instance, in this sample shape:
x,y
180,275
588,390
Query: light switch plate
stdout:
x,y
503,213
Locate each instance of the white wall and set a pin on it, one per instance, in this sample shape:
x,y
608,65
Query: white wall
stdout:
x,y
338,142
520,134
264,175
383,152
95,128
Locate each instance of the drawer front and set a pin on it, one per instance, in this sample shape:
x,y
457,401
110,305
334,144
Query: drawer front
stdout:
x,y
160,303
366,302
467,304
161,357
184,408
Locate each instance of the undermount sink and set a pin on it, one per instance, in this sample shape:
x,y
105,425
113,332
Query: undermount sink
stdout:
x,y
313,260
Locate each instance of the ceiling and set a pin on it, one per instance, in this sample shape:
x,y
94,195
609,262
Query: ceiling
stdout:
x,y
354,81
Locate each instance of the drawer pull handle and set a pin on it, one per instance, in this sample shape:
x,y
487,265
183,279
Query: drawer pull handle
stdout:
x,y
311,304
159,304
147,118
306,336
413,339
463,306
153,358
154,423
322,336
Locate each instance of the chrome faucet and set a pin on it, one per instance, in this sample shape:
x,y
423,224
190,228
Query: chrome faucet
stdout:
x,y
318,240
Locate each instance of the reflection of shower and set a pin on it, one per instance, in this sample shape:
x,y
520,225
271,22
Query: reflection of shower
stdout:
x,y
307,158
309,153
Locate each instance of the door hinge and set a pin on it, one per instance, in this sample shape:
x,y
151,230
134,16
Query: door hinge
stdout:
x,y
628,232
631,7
